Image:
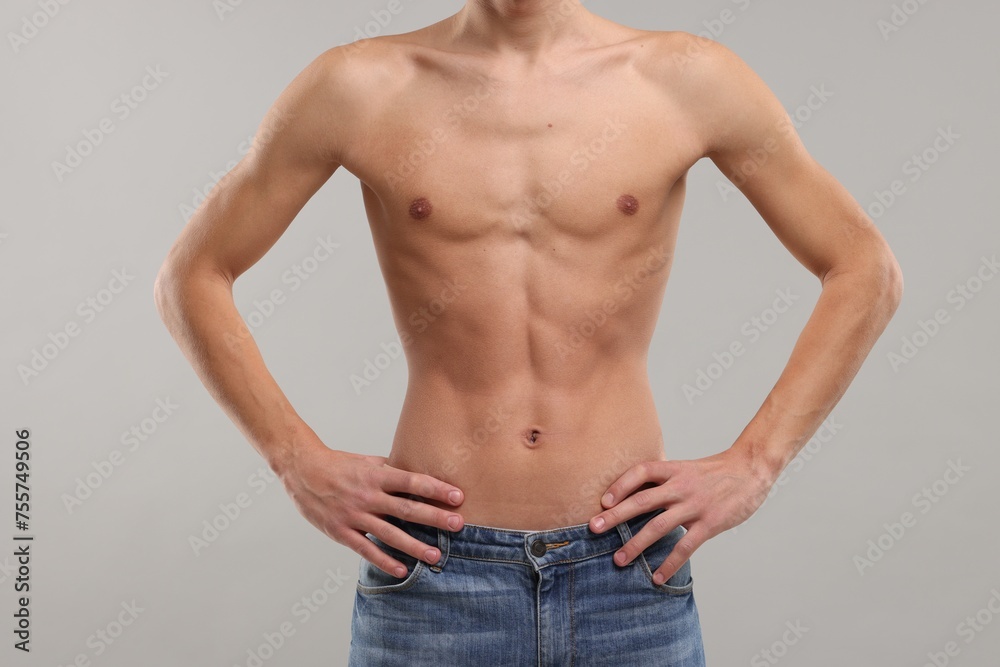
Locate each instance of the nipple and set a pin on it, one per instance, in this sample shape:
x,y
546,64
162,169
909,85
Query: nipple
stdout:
x,y
420,208
628,204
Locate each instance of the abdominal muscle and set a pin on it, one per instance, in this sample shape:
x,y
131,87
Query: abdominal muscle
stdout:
x,y
527,454
527,360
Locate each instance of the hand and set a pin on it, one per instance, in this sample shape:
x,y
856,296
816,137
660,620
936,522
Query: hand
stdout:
x,y
707,496
346,495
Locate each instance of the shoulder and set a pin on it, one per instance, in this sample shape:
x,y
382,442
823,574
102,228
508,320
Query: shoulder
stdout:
x,y
339,93
682,59
362,68
712,86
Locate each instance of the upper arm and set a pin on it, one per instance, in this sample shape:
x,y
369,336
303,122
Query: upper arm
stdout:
x,y
295,150
746,132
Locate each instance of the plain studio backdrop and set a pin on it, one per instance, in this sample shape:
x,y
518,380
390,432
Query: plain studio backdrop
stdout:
x,y
159,537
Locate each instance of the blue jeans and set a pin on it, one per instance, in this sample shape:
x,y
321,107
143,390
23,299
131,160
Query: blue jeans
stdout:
x,y
526,598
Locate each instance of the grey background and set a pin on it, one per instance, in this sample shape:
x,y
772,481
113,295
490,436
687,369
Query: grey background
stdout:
x,y
793,562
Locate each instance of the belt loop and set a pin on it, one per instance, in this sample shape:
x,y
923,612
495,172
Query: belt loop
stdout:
x,y
624,532
444,543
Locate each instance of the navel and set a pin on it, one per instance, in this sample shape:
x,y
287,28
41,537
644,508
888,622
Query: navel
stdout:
x,y
628,204
420,208
531,437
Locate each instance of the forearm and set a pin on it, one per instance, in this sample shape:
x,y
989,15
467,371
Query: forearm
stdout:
x,y
199,312
851,313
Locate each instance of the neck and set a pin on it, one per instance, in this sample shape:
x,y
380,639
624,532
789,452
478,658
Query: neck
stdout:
x,y
528,27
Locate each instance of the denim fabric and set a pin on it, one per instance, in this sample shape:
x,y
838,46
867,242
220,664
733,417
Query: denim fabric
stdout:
x,y
526,598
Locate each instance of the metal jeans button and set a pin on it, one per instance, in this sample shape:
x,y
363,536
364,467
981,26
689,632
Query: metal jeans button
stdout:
x,y
538,548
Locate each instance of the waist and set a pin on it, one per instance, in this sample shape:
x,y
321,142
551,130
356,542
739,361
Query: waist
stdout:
x,y
531,460
540,547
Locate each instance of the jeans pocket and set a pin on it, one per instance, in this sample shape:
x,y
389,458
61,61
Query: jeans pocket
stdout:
x,y
652,557
372,580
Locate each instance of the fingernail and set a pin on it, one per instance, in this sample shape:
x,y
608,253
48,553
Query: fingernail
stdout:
x,y
620,557
599,524
453,522
430,556
607,499
455,497
658,578
400,571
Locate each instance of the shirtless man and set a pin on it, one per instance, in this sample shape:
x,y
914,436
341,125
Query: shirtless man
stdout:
x,y
523,169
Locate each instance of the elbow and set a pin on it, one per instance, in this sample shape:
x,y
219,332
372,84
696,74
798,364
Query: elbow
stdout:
x,y
895,282
886,280
888,277
164,287
170,282
879,277
181,284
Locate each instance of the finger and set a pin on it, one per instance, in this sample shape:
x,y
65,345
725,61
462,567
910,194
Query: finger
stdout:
x,y
681,552
417,511
370,551
655,529
639,474
645,500
399,539
394,479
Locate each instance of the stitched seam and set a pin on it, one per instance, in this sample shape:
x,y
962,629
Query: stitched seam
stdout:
x,y
538,619
512,531
392,588
572,628
579,558
669,590
648,571
490,560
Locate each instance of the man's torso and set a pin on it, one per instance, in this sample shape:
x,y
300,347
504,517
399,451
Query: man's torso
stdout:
x,y
525,227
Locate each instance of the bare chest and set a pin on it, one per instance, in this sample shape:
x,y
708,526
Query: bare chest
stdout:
x,y
469,157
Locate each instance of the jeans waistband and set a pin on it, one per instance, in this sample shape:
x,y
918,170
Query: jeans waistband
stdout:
x,y
537,548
